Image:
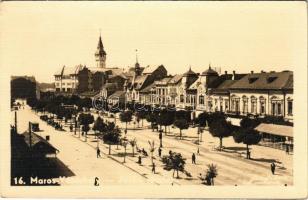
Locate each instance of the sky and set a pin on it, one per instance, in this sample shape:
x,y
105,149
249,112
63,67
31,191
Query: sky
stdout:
x,y
38,38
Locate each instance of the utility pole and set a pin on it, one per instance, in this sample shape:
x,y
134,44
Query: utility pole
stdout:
x,y
16,121
30,136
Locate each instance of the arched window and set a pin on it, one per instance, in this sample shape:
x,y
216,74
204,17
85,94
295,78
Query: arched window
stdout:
x,y
262,105
181,98
201,100
253,104
245,104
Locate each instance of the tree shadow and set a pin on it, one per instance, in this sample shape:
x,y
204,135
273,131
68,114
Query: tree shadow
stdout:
x,y
265,160
235,148
122,154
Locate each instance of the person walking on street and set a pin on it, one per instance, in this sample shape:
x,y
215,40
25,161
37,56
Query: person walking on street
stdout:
x,y
287,149
153,168
139,160
193,158
159,152
248,154
273,166
198,151
98,153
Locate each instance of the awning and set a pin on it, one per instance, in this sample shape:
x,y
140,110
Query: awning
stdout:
x,y
234,121
275,129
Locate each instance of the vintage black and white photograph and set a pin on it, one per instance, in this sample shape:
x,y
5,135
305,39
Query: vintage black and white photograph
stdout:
x,y
154,94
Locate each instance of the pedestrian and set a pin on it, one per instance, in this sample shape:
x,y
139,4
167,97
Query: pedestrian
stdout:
x,y
71,128
139,160
98,153
273,166
193,158
159,152
248,154
153,168
198,151
287,149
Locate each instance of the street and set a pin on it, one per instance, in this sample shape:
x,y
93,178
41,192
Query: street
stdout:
x,y
233,167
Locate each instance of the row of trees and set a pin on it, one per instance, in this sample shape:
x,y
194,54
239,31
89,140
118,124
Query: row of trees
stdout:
x,y
219,127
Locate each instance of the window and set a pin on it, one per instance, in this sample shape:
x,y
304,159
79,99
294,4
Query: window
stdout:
x,y
245,104
271,79
188,99
226,105
252,80
279,109
210,105
253,104
290,107
262,105
235,104
181,98
201,100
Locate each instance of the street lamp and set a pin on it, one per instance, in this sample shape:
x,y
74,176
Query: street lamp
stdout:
x,y
161,137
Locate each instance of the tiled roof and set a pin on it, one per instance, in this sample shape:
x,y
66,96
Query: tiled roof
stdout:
x,y
163,81
271,80
189,73
65,71
195,85
209,71
148,88
138,81
149,69
175,79
223,87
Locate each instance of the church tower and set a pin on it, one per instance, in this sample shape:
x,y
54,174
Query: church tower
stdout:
x,y
100,54
137,66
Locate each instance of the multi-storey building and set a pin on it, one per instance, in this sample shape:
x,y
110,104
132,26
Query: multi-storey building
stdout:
x,y
66,79
263,94
135,85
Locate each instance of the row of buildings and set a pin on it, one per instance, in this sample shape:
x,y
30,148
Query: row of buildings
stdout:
x,y
263,93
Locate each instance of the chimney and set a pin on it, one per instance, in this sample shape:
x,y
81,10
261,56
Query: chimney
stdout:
x,y
226,72
251,72
233,77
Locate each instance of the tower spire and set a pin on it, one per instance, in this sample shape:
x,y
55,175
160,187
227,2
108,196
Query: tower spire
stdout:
x,y
100,54
136,55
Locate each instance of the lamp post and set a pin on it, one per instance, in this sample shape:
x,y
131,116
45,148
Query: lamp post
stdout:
x,y
161,138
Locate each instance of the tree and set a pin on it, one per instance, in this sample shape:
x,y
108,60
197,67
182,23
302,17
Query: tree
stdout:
x,y
174,161
181,124
165,118
133,143
111,135
85,103
247,122
211,173
99,125
202,119
152,118
220,128
152,149
141,115
247,136
85,120
183,114
126,116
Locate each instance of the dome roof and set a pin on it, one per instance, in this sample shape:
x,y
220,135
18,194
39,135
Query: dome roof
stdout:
x,y
189,73
209,71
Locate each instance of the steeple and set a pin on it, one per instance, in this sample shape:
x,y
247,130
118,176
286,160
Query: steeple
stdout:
x,y
100,54
137,65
